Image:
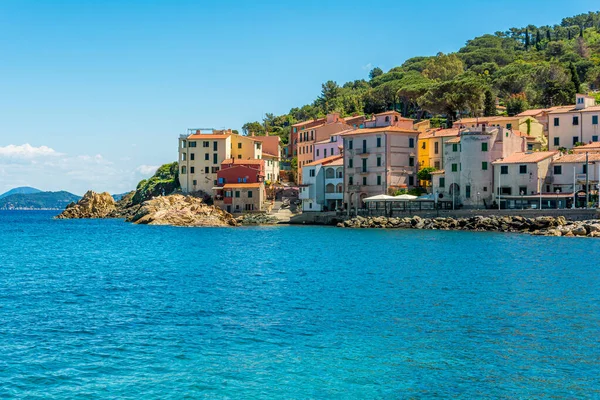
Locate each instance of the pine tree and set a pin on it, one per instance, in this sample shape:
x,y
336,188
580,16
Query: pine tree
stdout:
x,y
526,38
489,109
575,77
538,37
581,31
548,35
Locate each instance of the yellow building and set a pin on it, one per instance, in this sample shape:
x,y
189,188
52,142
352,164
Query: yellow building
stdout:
x,y
431,147
525,124
202,152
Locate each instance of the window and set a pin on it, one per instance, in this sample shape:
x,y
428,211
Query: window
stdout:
x,y
556,121
411,142
364,146
411,161
557,141
311,172
239,156
378,179
215,146
575,140
324,152
364,165
580,100
595,138
206,156
436,165
484,165
364,180
182,156
378,142
529,146
192,156
350,163
484,146
206,143
424,145
387,119
379,161
454,167
194,182
454,147
442,182
485,188
183,144
295,130
214,170
575,120
508,126
584,169
206,170
215,158
350,144
249,194
192,144
191,170
239,146
468,191
317,150
594,120
436,148
350,180
558,170
504,169
522,169
237,193
411,180
183,170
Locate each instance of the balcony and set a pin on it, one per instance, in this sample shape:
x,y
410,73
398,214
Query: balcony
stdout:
x,y
334,196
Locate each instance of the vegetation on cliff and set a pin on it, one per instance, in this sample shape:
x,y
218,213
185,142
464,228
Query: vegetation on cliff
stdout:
x,y
523,67
164,181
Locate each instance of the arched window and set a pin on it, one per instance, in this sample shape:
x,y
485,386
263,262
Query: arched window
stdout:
x,y
329,173
330,188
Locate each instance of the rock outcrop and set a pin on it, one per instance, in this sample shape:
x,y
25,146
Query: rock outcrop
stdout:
x,y
179,210
91,205
257,219
544,226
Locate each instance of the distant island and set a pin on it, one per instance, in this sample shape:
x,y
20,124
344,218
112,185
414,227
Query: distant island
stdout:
x,y
20,190
36,200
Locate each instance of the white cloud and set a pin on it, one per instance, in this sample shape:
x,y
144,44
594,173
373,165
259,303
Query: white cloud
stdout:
x,y
26,152
147,169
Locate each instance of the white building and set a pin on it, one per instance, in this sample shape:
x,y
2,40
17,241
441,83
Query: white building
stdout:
x,y
322,184
467,178
570,125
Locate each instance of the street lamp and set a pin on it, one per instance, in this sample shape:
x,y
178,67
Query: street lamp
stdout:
x,y
557,192
478,194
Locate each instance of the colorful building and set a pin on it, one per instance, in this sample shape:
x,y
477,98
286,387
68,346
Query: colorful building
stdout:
x,y
431,147
322,185
528,125
241,197
572,125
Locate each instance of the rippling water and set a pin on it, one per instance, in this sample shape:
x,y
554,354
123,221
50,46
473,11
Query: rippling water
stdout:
x,y
108,309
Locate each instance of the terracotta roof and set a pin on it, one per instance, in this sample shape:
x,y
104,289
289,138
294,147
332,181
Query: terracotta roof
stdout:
x,y
242,185
537,111
241,161
354,117
524,158
589,146
577,158
485,120
312,127
269,155
308,122
430,133
569,109
339,161
387,129
454,140
324,161
207,136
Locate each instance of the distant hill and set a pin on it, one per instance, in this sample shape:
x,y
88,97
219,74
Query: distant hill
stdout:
x,y
20,190
38,201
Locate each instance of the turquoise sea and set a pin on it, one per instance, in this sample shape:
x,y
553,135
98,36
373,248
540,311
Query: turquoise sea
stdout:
x,y
97,309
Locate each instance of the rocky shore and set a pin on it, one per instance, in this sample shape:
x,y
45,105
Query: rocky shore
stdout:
x,y
175,210
257,219
544,226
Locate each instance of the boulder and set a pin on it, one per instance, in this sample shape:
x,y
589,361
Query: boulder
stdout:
x,y
91,205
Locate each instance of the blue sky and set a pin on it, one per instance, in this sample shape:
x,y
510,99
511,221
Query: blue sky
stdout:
x,y
94,93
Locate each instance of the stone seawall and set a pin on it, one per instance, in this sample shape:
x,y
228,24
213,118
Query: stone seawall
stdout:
x,y
542,225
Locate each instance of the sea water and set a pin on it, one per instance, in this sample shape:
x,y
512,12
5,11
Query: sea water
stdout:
x,y
102,308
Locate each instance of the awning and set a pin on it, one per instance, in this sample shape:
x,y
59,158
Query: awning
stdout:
x,y
380,197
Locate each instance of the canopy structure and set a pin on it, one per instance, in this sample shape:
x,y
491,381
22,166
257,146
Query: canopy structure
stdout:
x,y
380,197
404,197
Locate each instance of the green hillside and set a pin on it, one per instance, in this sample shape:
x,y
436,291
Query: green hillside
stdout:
x,y
41,200
523,67
20,190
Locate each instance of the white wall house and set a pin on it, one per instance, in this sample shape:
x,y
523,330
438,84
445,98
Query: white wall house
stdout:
x,y
467,177
574,124
322,185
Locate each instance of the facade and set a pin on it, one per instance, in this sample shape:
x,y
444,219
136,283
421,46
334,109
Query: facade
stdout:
x,y
201,154
241,171
572,125
467,177
431,147
528,125
295,133
241,197
520,177
322,185
332,146
377,161
569,174
307,137
389,118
